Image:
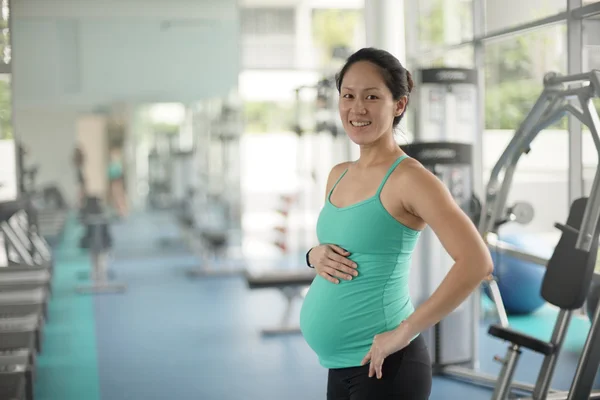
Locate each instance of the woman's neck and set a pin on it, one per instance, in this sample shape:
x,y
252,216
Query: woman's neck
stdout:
x,y
378,153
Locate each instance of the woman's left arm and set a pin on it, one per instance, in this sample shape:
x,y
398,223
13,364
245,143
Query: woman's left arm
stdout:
x,y
426,197
430,200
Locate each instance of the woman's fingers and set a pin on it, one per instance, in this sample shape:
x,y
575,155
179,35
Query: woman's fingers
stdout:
x,y
327,276
339,250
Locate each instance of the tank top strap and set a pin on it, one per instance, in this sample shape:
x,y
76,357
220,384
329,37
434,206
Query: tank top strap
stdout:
x,y
392,168
336,183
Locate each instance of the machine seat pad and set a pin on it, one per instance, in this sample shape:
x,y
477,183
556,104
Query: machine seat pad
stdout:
x,y
521,339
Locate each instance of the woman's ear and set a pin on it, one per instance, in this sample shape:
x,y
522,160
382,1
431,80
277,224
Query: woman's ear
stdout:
x,y
400,106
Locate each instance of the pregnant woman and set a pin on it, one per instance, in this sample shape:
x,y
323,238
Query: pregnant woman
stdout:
x,y
358,316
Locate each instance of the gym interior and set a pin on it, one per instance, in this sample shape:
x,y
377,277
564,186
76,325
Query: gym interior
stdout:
x,y
163,165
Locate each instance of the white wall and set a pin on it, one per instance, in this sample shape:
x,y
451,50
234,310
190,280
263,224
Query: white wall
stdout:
x,y
50,137
71,57
90,53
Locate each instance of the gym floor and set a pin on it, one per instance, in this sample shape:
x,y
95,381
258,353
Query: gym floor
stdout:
x,y
169,337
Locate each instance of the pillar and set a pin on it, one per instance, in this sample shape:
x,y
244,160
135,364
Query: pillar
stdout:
x,y
384,26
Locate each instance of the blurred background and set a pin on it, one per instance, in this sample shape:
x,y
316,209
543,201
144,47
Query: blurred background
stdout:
x,y
198,136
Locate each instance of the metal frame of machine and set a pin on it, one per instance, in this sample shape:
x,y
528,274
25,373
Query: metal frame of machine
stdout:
x,y
557,99
212,211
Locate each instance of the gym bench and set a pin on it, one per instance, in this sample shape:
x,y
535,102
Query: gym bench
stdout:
x,y
291,283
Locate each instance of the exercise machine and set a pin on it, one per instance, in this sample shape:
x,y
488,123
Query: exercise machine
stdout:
x,y
448,94
183,184
160,173
33,297
557,99
211,244
98,241
25,283
24,225
25,287
46,208
211,226
445,131
566,281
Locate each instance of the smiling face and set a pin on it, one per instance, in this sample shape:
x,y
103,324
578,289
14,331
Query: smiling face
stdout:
x,y
367,107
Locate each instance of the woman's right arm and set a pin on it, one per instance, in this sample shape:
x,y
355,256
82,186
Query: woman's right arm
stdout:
x,y
329,260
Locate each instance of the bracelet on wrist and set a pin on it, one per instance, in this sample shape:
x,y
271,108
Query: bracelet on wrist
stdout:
x,y
307,261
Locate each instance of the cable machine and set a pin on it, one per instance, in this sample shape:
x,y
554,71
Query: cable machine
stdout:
x,y
561,95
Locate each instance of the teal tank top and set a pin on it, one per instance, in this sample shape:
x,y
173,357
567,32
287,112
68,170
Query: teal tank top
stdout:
x,y
115,171
339,321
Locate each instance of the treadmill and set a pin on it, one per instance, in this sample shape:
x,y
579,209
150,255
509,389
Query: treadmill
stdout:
x,y
25,277
25,287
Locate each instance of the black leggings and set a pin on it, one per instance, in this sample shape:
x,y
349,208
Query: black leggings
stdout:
x,y
406,376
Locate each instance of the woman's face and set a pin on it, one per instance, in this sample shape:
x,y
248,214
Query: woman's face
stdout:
x,y
367,107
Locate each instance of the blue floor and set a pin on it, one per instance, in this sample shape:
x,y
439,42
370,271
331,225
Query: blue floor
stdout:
x,y
171,337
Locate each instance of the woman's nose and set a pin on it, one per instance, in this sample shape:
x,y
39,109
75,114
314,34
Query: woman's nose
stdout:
x,y
358,108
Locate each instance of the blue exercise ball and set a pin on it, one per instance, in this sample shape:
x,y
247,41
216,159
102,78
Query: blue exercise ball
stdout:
x,y
520,282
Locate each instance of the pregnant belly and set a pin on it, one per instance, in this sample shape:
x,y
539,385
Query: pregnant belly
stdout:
x,y
341,319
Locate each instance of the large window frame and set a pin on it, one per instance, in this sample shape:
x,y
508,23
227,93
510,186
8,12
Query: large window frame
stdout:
x,y
574,15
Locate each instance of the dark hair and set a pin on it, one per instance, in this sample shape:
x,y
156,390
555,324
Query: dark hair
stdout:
x,y
396,77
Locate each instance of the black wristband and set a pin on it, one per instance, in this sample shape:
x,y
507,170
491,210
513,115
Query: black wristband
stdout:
x,y
308,262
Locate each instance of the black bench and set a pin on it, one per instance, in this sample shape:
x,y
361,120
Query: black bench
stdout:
x,y
291,283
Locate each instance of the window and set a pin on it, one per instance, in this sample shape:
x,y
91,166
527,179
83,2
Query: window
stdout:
x,y
443,22
268,116
335,33
509,13
268,21
591,60
461,57
268,38
514,71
